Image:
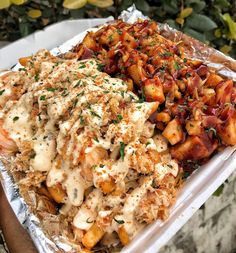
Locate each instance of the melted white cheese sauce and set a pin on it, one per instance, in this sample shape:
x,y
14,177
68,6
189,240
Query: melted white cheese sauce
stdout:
x,y
67,110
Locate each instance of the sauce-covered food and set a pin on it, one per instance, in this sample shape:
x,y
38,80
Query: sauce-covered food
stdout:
x,y
83,140
197,106
100,134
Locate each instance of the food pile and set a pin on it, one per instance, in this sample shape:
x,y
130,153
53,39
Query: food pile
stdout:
x,y
196,112
99,138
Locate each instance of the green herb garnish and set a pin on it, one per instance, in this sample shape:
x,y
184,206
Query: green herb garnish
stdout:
x,y
89,221
39,115
95,114
94,167
15,118
122,150
188,75
80,94
96,139
65,93
211,129
43,97
81,120
166,54
75,102
119,221
177,66
100,67
22,69
2,91
219,191
119,31
51,89
82,66
142,99
148,143
36,77
118,119
77,84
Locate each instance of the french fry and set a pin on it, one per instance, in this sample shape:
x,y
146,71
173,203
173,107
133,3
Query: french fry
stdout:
x,y
92,236
130,84
57,193
24,60
123,235
107,186
92,158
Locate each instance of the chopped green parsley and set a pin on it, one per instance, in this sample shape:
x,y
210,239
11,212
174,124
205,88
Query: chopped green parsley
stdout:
x,y
118,119
2,91
119,221
15,118
122,150
43,97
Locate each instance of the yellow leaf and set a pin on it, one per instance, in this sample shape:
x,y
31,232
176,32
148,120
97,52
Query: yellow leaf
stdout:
x,y
225,49
101,3
34,13
218,33
185,12
74,4
231,25
4,4
18,2
180,21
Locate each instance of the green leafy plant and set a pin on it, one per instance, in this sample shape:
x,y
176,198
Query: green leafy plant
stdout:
x,y
213,22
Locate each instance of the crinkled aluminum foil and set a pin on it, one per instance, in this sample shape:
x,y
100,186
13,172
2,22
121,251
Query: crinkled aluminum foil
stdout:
x,y
195,49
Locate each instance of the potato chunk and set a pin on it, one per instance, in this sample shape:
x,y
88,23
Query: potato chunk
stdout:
x,y
193,127
137,72
173,132
227,131
224,92
153,90
88,41
194,148
163,117
213,80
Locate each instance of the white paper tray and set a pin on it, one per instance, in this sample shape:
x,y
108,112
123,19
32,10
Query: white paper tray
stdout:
x,y
199,186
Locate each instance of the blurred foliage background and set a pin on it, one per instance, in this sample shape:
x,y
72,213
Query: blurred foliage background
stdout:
x,y
213,21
